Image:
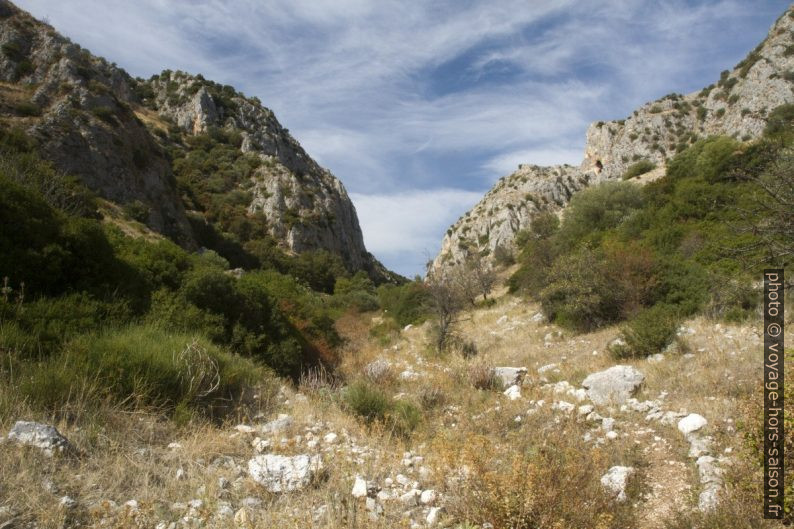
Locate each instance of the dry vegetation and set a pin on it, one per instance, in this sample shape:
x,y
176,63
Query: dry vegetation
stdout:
x,y
488,458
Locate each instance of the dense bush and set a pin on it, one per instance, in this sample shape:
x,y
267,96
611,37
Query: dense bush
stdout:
x,y
638,168
676,241
649,332
138,366
594,211
406,304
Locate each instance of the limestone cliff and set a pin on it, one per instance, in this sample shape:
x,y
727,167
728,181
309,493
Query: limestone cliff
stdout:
x,y
118,135
305,206
737,105
77,107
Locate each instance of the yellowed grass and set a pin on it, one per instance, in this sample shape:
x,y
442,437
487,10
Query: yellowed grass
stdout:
x,y
512,455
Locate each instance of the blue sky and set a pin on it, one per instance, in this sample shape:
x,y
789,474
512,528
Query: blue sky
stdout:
x,y
420,106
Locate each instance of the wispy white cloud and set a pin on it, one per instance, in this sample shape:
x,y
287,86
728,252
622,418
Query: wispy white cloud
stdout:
x,y
387,93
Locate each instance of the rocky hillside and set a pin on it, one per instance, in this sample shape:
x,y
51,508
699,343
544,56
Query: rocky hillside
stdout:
x,y
77,107
737,105
121,137
304,205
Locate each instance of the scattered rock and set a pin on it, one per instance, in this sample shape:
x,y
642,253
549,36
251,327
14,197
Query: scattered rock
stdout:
x,y
433,516
283,473
68,503
691,423
377,370
513,392
509,376
42,436
282,422
427,497
616,479
359,488
614,385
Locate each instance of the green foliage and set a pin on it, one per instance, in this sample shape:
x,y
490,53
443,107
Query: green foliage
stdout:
x,y
27,109
595,210
649,332
373,405
638,168
673,243
138,366
780,121
106,114
403,417
357,292
367,401
579,294
406,304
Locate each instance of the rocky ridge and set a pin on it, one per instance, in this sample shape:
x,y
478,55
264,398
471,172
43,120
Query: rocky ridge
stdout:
x,y
737,105
306,207
94,121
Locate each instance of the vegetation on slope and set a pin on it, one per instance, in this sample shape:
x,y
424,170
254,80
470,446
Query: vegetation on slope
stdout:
x,y
88,310
692,241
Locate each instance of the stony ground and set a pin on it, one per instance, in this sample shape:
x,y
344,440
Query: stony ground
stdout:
x,y
659,434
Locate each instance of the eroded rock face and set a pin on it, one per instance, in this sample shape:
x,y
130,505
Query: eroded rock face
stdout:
x,y
283,473
614,385
42,436
306,207
738,105
85,124
93,121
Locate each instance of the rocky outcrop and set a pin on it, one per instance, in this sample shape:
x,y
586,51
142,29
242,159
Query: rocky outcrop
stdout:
x,y
77,107
737,105
95,122
614,385
306,207
284,473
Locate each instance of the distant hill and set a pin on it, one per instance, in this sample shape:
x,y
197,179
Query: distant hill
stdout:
x,y
737,105
190,159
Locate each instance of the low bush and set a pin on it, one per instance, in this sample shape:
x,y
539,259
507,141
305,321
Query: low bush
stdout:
x,y
638,168
649,332
139,367
366,401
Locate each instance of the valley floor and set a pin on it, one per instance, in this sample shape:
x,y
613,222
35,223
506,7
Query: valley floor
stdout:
x,y
535,457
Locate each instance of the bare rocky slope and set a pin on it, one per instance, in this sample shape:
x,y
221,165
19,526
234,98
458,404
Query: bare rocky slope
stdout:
x,y
94,121
737,105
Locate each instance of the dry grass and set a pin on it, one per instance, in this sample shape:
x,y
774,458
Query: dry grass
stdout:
x,y
490,460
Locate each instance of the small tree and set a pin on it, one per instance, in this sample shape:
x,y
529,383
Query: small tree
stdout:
x,y
482,273
446,304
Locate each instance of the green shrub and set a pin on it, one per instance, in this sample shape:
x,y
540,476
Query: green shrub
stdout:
x,y
46,323
28,109
139,366
597,209
105,113
579,294
403,417
367,401
649,332
406,304
638,168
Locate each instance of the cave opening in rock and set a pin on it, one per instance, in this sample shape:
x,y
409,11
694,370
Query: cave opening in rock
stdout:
x,y
599,166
